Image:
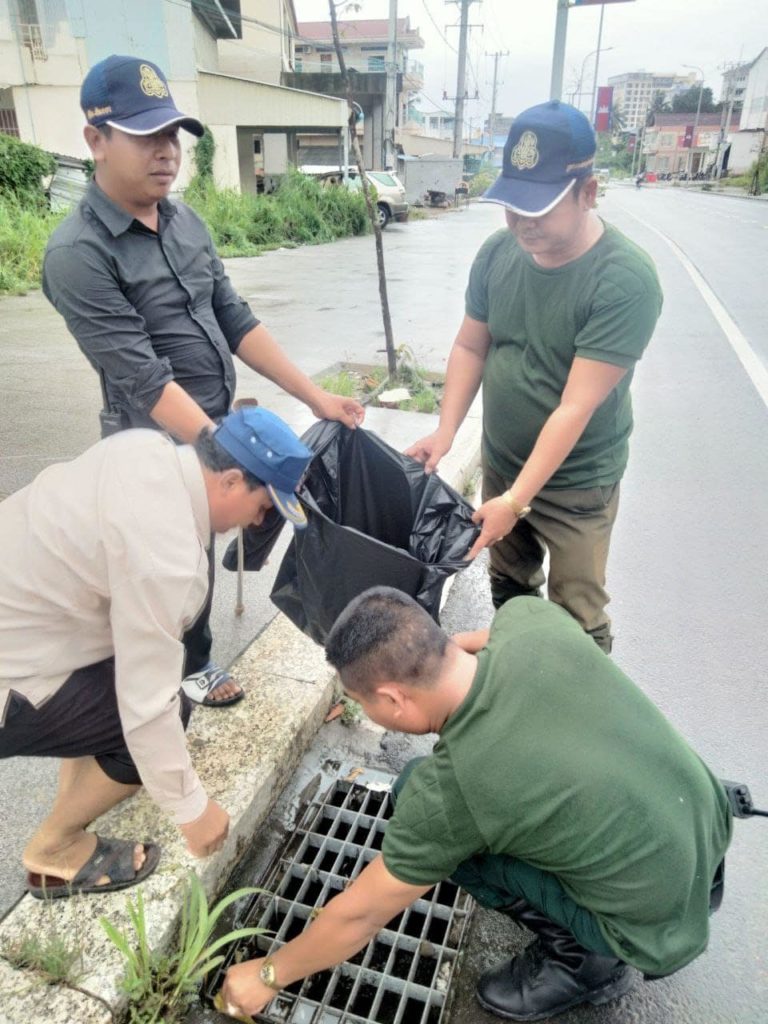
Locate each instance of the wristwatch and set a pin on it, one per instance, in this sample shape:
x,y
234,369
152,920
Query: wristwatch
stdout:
x,y
521,511
267,975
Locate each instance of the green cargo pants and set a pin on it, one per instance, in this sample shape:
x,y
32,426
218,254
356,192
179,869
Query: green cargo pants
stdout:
x,y
575,527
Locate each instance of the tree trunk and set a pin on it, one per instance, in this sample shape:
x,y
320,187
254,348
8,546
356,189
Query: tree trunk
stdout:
x,y
372,213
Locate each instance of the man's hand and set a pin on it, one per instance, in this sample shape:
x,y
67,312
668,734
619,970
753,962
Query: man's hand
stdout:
x,y
497,518
336,407
473,641
206,834
243,992
429,450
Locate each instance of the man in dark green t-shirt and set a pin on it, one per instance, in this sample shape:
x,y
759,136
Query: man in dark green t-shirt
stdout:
x,y
559,308
556,793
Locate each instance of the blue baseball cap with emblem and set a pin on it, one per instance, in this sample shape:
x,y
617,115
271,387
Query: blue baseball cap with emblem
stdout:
x,y
133,95
549,147
267,447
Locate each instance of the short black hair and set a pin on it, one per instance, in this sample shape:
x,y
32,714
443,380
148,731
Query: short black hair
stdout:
x,y
383,635
218,459
106,130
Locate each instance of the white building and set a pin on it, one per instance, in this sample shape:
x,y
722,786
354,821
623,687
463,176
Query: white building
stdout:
x,y
634,93
747,143
223,60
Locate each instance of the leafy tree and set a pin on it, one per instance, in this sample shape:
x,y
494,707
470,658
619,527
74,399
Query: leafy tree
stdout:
x,y
687,102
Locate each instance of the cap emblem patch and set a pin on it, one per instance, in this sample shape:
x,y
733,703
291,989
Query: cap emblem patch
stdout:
x,y
151,83
525,155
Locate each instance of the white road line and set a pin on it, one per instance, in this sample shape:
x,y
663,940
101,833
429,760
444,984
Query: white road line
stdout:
x,y
755,369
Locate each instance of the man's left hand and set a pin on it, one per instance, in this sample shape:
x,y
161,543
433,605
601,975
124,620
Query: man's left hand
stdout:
x,y
337,407
497,519
243,992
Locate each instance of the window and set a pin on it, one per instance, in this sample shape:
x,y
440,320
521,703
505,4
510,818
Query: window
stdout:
x,y
326,59
375,63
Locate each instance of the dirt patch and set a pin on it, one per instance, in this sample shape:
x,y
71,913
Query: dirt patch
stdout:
x,y
413,389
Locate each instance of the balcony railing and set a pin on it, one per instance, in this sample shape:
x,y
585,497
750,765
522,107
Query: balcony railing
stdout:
x,y
32,38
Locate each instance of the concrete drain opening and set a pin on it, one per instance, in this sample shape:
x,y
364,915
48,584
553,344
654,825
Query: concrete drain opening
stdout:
x,y
403,975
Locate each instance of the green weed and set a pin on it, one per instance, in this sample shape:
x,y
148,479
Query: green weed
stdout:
x,y
161,986
423,401
57,958
24,230
341,383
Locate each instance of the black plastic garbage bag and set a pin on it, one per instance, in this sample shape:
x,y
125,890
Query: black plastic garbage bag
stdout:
x,y
374,518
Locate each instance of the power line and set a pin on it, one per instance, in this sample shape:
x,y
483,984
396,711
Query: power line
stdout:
x,y
437,27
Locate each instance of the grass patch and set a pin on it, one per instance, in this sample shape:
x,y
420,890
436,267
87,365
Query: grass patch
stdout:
x,y
354,380
24,231
55,957
300,212
354,383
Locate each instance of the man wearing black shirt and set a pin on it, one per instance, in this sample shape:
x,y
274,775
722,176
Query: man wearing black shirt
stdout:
x,y
142,290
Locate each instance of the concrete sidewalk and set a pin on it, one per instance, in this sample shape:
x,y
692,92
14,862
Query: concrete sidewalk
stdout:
x,y
244,755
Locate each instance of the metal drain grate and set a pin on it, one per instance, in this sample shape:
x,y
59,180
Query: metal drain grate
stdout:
x,y
403,975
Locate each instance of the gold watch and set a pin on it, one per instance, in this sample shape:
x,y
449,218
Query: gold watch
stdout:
x,y
521,511
267,975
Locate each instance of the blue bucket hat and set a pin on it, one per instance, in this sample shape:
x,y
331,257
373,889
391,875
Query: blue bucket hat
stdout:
x,y
549,147
268,448
133,95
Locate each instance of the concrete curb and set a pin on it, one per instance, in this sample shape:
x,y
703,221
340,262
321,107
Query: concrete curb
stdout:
x,y
244,756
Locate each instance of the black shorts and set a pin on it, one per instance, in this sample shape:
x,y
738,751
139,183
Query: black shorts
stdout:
x,y
80,720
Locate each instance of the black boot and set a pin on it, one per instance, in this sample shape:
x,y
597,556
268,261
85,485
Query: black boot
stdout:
x,y
551,975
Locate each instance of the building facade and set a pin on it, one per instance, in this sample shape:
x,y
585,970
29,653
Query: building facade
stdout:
x,y
745,92
635,92
364,45
223,61
675,144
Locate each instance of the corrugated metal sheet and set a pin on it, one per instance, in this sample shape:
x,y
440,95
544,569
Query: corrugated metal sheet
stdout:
x,y
227,100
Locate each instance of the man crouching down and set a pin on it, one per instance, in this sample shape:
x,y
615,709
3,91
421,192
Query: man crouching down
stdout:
x,y
557,793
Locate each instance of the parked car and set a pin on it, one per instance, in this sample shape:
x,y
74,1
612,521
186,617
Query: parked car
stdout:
x,y
391,203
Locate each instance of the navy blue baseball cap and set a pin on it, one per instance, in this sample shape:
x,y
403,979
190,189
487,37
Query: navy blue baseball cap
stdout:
x,y
133,95
549,147
269,449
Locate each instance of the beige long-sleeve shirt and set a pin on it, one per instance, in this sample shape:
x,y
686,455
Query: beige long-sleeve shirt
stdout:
x,y
107,555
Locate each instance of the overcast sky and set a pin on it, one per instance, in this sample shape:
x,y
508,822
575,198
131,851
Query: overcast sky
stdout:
x,y
649,35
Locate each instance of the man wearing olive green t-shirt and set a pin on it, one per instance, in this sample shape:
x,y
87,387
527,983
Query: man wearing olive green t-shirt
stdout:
x,y
559,308
557,793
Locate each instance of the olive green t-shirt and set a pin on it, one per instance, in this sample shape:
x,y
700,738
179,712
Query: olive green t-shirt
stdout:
x,y
556,758
602,306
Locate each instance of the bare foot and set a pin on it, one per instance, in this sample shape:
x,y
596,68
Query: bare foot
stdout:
x,y
225,690
63,862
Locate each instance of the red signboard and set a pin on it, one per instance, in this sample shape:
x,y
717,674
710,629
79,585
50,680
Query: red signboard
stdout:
x,y
688,137
604,110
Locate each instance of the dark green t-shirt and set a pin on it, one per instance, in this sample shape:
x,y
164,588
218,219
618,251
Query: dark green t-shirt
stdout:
x,y
556,758
602,306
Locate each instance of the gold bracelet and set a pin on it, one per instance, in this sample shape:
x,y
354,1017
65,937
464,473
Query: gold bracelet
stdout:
x,y
521,511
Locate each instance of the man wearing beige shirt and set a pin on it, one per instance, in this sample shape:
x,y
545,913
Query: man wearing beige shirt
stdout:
x,y
104,568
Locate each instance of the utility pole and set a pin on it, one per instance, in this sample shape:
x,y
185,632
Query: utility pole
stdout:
x,y
461,77
390,99
558,54
492,118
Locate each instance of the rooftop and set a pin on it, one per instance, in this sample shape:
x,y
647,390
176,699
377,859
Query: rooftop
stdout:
x,y
365,30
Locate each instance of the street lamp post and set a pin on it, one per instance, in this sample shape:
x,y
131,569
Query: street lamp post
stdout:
x,y
689,162
602,49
